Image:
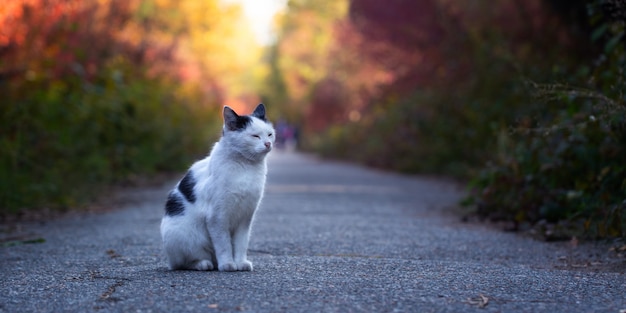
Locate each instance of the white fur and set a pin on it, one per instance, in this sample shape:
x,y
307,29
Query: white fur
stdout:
x,y
229,187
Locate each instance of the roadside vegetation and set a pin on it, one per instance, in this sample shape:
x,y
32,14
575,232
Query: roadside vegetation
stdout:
x,y
522,99
101,92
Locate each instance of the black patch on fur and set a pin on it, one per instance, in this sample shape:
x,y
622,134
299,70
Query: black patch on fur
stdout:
x,y
186,186
174,205
235,122
242,122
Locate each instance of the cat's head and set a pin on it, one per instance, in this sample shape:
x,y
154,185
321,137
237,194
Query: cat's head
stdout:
x,y
250,135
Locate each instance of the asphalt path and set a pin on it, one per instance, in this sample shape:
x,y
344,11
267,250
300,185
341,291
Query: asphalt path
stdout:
x,y
329,237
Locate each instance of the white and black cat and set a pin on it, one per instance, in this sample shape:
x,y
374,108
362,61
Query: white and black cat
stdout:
x,y
209,214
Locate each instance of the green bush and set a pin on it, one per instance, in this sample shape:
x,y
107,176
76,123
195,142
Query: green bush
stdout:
x,y
572,169
62,139
567,164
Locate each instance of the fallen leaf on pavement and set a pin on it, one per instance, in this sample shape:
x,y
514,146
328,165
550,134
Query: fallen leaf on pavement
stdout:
x,y
481,301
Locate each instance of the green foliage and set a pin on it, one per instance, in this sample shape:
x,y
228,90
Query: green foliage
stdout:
x,y
569,165
572,169
62,139
402,134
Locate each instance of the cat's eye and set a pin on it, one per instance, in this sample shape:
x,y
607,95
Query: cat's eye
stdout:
x,y
269,135
256,136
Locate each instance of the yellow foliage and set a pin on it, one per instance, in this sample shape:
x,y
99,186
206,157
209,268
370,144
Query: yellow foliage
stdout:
x,y
307,34
213,40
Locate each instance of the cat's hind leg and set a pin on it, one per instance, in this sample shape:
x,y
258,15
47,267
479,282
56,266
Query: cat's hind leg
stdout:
x,y
200,265
178,260
186,246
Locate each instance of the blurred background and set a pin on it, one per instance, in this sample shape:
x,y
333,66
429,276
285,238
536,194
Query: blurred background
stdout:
x,y
523,100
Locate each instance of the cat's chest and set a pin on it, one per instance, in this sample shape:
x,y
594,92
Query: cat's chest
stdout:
x,y
242,182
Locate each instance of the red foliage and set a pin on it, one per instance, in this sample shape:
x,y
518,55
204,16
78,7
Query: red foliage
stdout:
x,y
54,39
328,104
392,48
407,24
383,47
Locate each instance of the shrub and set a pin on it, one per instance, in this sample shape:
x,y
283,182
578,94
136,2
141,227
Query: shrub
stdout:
x,y
82,107
573,169
61,140
567,164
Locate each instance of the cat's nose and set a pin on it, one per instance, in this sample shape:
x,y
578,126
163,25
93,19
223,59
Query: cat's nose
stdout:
x,y
268,144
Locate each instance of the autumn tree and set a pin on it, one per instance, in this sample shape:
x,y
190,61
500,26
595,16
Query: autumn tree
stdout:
x,y
447,86
98,91
302,55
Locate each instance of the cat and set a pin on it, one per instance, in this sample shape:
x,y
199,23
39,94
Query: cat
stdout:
x,y
208,215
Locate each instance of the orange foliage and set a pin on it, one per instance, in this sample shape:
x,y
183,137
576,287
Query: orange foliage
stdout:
x,y
56,38
199,42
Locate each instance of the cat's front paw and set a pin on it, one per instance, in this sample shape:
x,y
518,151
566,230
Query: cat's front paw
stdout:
x,y
244,266
227,267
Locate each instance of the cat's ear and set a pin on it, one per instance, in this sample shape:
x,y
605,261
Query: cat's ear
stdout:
x,y
231,119
259,112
